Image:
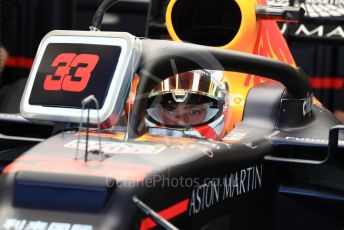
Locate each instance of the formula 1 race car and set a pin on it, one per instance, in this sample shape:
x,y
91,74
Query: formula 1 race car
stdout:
x,y
160,134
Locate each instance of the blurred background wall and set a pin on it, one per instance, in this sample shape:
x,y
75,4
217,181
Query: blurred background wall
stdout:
x,y
24,23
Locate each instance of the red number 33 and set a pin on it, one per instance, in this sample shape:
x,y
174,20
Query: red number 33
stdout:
x,y
63,80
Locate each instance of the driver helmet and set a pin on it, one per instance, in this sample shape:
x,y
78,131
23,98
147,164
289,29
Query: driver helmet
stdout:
x,y
193,103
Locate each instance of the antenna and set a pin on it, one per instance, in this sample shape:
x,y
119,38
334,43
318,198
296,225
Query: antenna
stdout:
x,y
84,103
98,16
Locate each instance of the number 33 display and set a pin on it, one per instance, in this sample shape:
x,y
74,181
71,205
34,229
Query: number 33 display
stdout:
x,y
63,79
68,73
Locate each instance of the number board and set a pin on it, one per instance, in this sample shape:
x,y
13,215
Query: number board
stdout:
x,y
71,65
70,72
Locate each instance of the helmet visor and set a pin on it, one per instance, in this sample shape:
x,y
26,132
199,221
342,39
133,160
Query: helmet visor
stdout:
x,y
198,81
193,111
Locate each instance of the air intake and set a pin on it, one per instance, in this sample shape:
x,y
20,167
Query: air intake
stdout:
x,y
206,22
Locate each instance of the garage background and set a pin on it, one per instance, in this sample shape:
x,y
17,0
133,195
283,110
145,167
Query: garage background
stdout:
x,y
25,22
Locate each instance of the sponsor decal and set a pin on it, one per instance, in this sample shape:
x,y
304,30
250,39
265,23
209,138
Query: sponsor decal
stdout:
x,y
251,145
206,147
307,106
206,150
22,224
274,134
314,31
217,190
303,139
210,144
234,136
118,147
319,31
311,140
